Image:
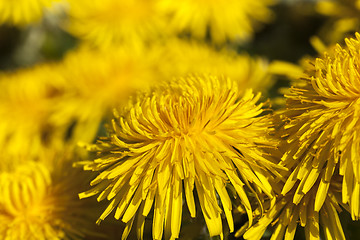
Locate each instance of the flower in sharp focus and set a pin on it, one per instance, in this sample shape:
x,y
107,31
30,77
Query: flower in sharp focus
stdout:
x,y
285,216
225,20
194,134
22,12
322,128
39,201
108,22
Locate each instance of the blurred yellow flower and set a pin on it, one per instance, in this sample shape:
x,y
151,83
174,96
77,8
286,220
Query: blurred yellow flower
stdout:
x,y
181,58
107,22
27,97
39,201
344,18
22,12
285,216
192,133
96,81
222,20
322,127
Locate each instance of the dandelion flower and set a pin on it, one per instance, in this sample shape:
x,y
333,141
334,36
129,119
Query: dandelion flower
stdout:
x,y
322,128
26,100
191,134
107,22
225,20
22,12
285,216
38,203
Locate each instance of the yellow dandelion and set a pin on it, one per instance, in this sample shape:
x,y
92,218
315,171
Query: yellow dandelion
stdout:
x,y
26,100
322,127
181,58
107,22
96,81
343,18
191,134
40,202
225,20
22,12
285,216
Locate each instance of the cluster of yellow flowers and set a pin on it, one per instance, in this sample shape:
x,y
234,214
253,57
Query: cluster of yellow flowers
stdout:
x,y
158,114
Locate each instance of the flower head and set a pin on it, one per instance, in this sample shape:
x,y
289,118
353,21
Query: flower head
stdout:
x,y
23,11
194,133
39,201
322,128
108,22
225,20
286,216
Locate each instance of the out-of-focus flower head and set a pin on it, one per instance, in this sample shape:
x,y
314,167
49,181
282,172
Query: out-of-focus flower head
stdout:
x,y
107,22
222,20
285,216
22,12
322,128
344,18
97,80
196,133
181,58
38,200
27,97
